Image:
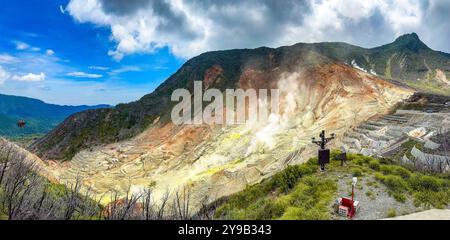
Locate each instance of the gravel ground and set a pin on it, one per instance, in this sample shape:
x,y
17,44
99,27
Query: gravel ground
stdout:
x,y
374,200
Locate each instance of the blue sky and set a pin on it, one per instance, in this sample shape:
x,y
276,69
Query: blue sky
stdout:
x,y
115,51
38,38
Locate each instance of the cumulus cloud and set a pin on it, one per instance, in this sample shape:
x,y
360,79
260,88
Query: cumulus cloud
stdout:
x,y
22,46
50,52
5,75
191,27
84,75
187,28
30,77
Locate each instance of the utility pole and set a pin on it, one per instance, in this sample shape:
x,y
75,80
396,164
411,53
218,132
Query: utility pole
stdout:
x,y
324,154
352,208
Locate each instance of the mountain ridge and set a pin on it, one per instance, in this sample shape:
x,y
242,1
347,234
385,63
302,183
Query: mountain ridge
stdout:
x,y
225,68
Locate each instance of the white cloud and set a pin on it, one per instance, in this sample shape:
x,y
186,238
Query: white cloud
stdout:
x,y
61,9
30,77
98,68
4,75
25,46
22,46
83,75
50,52
195,26
125,69
6,58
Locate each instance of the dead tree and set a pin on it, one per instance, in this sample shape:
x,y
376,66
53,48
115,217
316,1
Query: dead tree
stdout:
x,y
181,204
89,207
20,180
27,195
5,156
207,210
70,199
148,212
122,208
161,210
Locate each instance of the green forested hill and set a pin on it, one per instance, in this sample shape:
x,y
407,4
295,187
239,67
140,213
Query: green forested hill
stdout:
x,y
40,117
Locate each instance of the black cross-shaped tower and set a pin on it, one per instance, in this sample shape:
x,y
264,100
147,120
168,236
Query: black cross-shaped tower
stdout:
x,y
324,154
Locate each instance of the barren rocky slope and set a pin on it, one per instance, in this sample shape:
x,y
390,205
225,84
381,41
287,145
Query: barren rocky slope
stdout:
x,y
215,161
406,60
9,149
326,86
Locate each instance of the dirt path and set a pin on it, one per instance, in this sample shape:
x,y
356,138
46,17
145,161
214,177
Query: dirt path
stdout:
x,y
432,214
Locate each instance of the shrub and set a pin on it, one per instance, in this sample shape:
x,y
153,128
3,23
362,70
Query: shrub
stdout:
x,y
395,183
375,165
269,210
286,179
385,161
379,176
387,169
402,172
357,172
334,154
426,183
366,159
350,156
310,199
391,213
299,213
429,198
399,196
250,195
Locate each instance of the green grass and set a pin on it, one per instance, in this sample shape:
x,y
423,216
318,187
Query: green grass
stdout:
x,y
426,190
300,192
294,193
375,165
356,172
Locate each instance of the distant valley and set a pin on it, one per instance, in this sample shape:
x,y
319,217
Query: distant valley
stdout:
x,y
40,117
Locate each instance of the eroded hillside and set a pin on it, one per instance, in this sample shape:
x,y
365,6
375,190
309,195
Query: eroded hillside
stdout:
x,y
214,161
407,60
